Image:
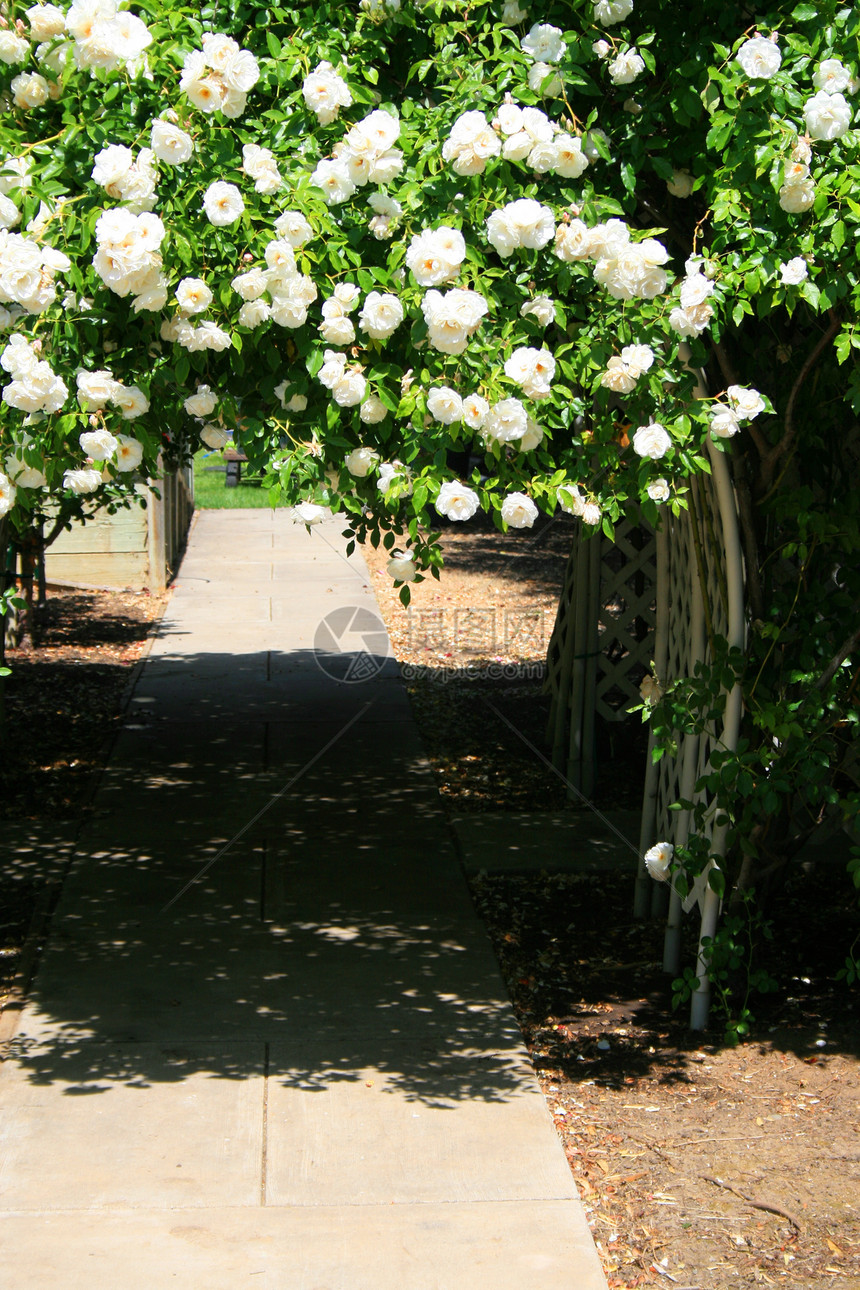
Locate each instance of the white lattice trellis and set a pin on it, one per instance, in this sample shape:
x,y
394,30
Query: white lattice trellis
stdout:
x,y
602,642
699,592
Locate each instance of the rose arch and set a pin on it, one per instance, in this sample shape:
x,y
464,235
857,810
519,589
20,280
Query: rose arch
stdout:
x,y
582,247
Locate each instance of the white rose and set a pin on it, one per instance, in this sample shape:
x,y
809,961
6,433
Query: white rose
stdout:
x,y
601,48
9,213
544,43
372,410
651,441
532,370
658,490
292,227
337,330
532,438
46,21
608,12
215,437
618,377
506,421
309,513
250,285
759,58
169,143
347,295
519,511
570,499
681,183
241,72
827,116
544,80
793,271
223,204
658,859
542,309
381,315
13,48
83,481
445,405
639,358
724,422
831,76
625,67
333,178
590,513
350,389
361,461
193,295
401,566
131,401
456,501
325,93
691,322
570,157
95,389
7,494
746,403
695,290
475,410
254,313
201,404
797,196
29,90
573,241
129,454
98,444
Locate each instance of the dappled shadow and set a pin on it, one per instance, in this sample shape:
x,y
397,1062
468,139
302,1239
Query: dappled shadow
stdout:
x,y
267,867
538,556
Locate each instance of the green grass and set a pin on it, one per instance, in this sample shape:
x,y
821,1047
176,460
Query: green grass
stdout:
x,y
210,488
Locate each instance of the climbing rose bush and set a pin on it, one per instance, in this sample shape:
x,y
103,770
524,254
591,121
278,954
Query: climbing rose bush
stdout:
x,y
375,240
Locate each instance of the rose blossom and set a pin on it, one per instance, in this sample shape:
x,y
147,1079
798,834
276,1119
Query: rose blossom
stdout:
x,y
793,272
215,437
223,204
8,493
759,58
98,444
401,566
170,144
129,454
658,859
745,403
193,295
827,116
361,461
651,441
457,502
658,490
82,481
381,315
201,404
519,511
445,405
608,12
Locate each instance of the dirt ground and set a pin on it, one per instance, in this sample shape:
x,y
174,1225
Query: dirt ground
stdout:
x,y
701,1167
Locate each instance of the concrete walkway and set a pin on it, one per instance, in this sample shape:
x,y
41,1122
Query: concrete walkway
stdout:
x,y
290,1064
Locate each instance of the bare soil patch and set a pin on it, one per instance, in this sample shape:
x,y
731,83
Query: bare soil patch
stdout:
x,y
700,1166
